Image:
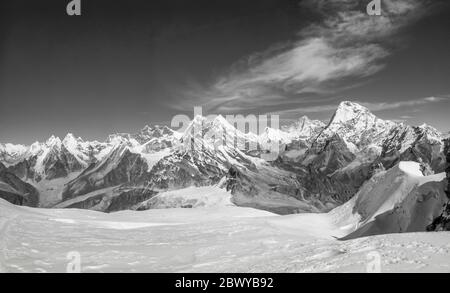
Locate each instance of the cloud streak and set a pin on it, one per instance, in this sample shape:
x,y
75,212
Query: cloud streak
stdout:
x,y
343,48
374,107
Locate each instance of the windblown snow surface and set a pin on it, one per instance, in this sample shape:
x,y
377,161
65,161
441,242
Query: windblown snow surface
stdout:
x,y
217,236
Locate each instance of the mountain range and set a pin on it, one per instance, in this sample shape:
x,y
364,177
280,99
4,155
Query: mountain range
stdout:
x,y
319,166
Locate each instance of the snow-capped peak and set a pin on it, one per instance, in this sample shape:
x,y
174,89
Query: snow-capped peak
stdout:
x,y
35,148
200,123
357,126
123,139
224,124
71,140
53,141
431,132
348,111
305,128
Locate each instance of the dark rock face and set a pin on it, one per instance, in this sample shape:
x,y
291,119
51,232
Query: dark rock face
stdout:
x,y
319,172
258,187
15,190
238,182
406,143
120,167
333,156
24,169
442,223
59,163
118,200
129,198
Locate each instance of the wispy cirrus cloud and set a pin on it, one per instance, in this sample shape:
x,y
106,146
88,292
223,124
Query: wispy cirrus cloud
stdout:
x,y
340,50
374,107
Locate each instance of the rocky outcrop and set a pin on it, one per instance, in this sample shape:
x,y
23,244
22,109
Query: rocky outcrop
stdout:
x,y
442,223
238,182
15,190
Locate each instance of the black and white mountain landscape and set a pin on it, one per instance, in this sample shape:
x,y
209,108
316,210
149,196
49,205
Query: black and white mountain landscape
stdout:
x,y
360,186
356,176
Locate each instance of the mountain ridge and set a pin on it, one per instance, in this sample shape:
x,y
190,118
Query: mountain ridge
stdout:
x,y
316,166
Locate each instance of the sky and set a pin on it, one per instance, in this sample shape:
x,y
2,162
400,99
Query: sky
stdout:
x,y
122,65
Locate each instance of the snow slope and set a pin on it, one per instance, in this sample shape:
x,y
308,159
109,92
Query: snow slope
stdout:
x,y
216,238
398,200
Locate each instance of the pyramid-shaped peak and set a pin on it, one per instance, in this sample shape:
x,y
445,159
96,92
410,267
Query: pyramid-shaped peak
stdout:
x,y
348,105
349,111
356,125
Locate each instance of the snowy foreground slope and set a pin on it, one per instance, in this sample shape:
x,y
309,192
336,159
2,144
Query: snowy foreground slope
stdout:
x,y
216,236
